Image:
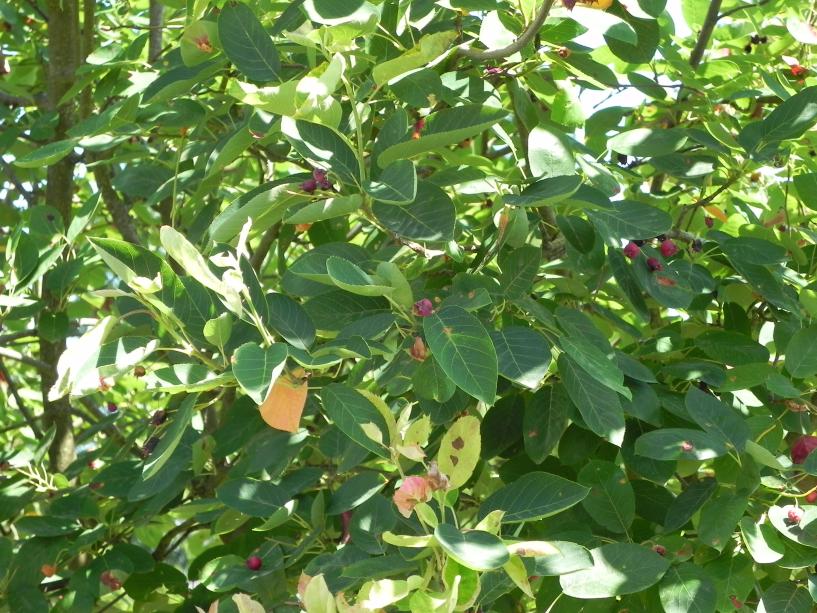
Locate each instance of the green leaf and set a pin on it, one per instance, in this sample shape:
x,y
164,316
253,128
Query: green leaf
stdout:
x,y
788,120
648,142
546,192
801,353
618,569
217,331
186,378
719,516
686,589
321,210
429,48
533,496
396,184
786,597
459,451
444,128
429,381
627,219
179,422
571,557
804,532
679,444
323,147
463,349
256,369
523,355
47,154
265,205
519,269
688,502
549,153
546,417
473,549
355,492
603,368
351,411
717,418
290,320
598,405
753,250
761,540
350,277
731,347
611,502
578,232
429,217
247,44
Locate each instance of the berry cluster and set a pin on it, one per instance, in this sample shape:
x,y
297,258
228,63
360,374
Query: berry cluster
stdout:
x,y
667,247
319,180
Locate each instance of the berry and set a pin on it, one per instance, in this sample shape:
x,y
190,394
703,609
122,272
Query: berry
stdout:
x,y
321,179
149,446
563,52
802,447
795,515
811,496
48,570
798,71
654,265
668,248
631,250
755,39
687,446
112,408
748,48
254,563
697,245
493,70
639,242
709,221
158,418
423,308
309,186
139,371
754,177
660,550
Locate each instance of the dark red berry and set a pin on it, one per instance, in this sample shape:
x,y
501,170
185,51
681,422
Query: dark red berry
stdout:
x,y
254,563
709,221
309,186
668,248
112,408
423,308
802,448
149,446
660,550
654,265
631,250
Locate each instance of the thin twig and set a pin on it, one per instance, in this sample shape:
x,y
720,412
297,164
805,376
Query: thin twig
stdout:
x,y
260,253
524,38
11,354
32,423
738,9
13,336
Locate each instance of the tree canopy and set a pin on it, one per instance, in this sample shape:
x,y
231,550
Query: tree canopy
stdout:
x,y
425,306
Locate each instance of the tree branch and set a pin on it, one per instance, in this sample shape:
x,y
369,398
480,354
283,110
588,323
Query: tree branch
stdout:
x,y
527,35
11,354
156,22
115,205
712,16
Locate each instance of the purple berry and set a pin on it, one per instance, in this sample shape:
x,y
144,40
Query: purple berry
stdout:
x,y
654,265
668,248
631,250
309,186
423,308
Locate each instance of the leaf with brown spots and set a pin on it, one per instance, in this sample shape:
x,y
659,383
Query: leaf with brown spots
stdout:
x,y
459,451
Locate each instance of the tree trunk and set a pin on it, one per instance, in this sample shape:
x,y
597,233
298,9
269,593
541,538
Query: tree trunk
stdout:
x,y
156,23
63,60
